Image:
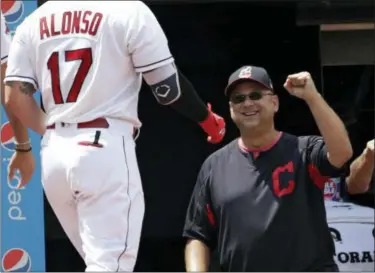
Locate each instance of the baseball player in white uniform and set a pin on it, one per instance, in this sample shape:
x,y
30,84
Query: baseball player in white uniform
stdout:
x,y
21,159
87,59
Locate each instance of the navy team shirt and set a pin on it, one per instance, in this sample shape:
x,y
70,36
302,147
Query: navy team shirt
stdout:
x,y
264,210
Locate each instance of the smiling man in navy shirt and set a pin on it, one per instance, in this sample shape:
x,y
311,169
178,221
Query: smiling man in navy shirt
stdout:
x,y
259,200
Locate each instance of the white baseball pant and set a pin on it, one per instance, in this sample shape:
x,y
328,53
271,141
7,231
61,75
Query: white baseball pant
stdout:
x,y
96,193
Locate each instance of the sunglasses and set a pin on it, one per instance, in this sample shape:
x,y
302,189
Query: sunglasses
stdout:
x,y
255,95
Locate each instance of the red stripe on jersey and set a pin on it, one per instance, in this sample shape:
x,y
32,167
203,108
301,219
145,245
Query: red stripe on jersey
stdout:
x,y
210,215
318,179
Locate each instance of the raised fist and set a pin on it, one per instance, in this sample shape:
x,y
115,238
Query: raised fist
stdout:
x,y
300,85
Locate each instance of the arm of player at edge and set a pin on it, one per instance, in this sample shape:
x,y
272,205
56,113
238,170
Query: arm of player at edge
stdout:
x,y
20,86
21,134
151,56
20,131
20,102
361,171
22,159
170,87
197,256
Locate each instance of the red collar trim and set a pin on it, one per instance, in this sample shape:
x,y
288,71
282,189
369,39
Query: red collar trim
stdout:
x,y
260,149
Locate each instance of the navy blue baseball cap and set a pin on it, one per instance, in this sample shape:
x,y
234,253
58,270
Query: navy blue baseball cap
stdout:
x,y
249,73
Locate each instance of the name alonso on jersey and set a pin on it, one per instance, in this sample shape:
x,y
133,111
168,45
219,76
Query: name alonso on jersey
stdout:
x,y
72,22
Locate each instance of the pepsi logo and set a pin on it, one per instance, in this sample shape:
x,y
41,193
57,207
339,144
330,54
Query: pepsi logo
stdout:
x,y
16,260
13,10
7,137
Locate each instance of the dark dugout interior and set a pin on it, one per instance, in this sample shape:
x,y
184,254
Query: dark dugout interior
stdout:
x,y
209,41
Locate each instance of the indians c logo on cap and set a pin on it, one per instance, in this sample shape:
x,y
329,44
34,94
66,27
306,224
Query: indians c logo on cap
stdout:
x,y
245,73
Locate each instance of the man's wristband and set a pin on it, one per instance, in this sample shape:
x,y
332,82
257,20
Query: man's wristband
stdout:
x,y
23,150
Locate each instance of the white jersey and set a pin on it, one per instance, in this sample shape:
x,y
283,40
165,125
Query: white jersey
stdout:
x,y
5,40
87,57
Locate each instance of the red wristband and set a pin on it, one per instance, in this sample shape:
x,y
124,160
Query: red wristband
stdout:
x,y
209,125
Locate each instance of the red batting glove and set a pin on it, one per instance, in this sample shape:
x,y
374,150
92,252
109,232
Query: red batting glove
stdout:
x,y
214,126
